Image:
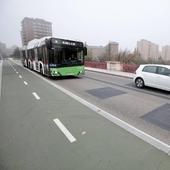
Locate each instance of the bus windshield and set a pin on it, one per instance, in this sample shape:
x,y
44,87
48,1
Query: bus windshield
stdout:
x,y
66,57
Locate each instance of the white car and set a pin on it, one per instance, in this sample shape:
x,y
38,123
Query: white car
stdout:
x,y
157,76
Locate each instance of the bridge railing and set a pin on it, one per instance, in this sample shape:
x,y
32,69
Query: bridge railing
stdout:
x,y
131,68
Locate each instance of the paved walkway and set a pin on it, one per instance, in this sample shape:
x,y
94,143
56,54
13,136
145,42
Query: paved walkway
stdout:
x,y
112,72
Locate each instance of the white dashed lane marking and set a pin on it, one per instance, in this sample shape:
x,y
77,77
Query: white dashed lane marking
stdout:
x,y
83,133
36,96
25,83
69,136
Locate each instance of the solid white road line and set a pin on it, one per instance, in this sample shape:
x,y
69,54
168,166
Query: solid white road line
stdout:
x,y
25,83
69,136
20,76
36,96
1,63
142,135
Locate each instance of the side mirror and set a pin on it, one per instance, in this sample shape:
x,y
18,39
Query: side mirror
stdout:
x,y
48,43
85,51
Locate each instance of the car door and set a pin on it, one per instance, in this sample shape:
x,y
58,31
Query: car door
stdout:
x,y
163,78
149,75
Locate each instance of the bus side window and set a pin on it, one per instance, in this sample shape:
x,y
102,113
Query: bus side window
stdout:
x,y
40,53
43,55
36,54
29,56
32,54
46,55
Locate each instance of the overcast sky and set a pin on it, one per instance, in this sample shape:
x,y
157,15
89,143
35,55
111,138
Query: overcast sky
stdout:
x,y
95,21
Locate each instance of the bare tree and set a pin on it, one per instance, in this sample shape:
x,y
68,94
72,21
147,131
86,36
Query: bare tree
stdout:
x,y
16,53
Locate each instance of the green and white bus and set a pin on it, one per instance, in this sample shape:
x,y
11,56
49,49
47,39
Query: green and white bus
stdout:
x,y
55,57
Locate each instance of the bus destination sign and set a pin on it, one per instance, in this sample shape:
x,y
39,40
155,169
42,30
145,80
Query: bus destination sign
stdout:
x,y
65,42
68,43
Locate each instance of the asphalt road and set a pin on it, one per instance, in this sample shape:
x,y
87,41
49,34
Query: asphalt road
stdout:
x,y
131,105
43,128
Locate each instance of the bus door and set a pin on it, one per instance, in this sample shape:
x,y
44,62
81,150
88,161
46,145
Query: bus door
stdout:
x,y
45,60
36,59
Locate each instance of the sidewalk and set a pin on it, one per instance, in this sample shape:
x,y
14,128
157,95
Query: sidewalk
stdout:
x,y
112,72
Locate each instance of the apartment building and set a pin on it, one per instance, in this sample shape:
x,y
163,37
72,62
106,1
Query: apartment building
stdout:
x,y
166,52
34,29
148,49
112,50
107,52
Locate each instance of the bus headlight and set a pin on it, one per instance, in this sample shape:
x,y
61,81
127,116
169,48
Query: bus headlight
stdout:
x,y
55,72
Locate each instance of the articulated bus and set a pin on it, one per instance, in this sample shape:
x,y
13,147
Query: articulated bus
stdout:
x,y
55,57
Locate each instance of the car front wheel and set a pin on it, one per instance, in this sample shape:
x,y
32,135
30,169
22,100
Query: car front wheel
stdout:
x,y
139,83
